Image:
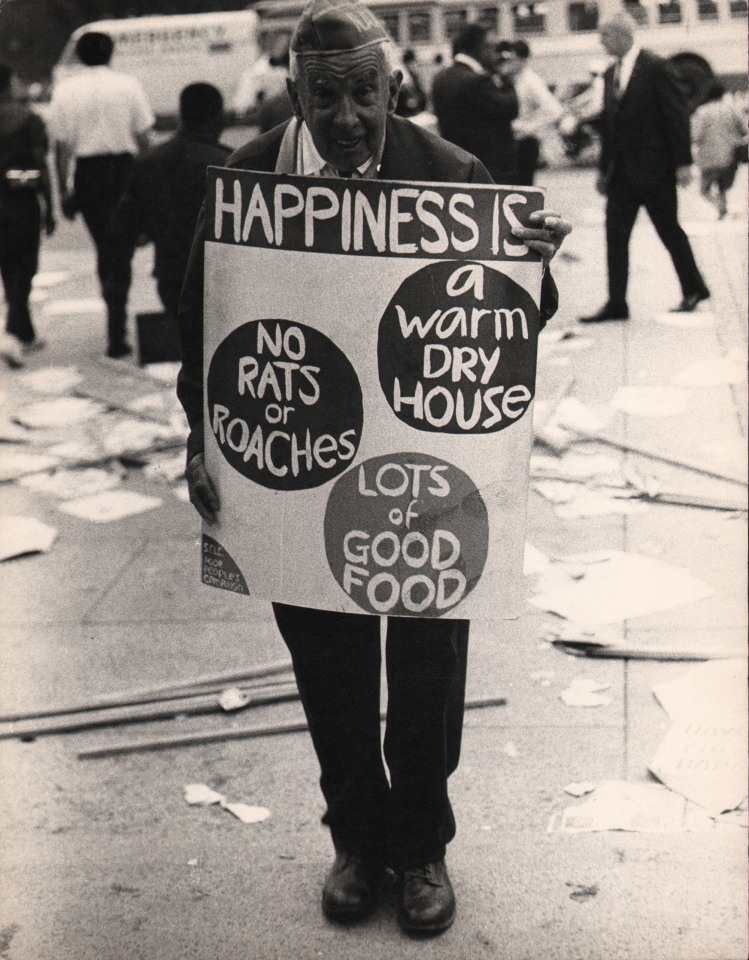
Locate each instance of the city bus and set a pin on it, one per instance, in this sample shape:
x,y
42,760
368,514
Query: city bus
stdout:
x,y
701,36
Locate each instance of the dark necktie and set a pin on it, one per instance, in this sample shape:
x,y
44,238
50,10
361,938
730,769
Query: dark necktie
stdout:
x,y
617,80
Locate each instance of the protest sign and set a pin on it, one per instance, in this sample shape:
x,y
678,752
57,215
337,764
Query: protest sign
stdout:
x,y
369,362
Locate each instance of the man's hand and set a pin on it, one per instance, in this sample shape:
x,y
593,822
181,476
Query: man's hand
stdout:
x,y
547,237
683,176
203,494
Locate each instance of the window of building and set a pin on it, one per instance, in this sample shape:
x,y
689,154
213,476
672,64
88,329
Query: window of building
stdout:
x,y
419,26
669,12
637,11
582,16
391,19
738,9
529,18
707,10
455,20
487,17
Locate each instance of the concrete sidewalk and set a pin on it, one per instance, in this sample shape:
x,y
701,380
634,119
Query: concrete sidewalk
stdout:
x,y
104,860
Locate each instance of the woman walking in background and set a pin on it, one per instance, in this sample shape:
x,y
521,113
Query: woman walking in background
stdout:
x,y
718,134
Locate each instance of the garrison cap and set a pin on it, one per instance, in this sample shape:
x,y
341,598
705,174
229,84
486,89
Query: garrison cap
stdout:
x,y
328,27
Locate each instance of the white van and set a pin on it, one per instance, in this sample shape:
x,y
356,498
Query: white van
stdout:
x,y
168,52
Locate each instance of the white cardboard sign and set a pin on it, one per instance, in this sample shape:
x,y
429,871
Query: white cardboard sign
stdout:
x,y
369,363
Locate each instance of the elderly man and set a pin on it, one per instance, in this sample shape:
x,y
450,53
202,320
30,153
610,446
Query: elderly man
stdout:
x,y
645,153
344,92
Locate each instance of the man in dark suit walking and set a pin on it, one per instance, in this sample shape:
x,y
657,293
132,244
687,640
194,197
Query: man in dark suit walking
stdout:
x,y
645,153
474,107
344,89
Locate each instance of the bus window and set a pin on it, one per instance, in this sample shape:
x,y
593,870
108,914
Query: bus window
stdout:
x,y
582,16
419,26
669,12
738,9
637,11
391,19
487,17
454,21
529,18
707,10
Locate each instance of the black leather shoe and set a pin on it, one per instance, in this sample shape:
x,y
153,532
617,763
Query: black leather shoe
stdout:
x,y
690,301
609,311
350,889
427,901
119,350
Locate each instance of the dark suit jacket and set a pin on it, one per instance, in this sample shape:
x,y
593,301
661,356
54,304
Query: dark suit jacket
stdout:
x,y
477,116
645,135
410,153
163,198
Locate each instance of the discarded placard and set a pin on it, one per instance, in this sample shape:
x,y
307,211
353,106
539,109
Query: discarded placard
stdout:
x,y
20,536
199,794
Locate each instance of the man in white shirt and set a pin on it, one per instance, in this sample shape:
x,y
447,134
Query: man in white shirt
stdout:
x,y
99,120
538,111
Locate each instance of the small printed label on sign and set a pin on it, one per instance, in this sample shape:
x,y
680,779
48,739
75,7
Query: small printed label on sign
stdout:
x,y
219,570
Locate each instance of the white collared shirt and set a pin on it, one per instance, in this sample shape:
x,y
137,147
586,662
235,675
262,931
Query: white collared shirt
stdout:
x,y
309,163
627,65
469,62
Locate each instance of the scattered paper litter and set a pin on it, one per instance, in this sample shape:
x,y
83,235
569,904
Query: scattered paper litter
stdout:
x,y
76,450
648,401
233,699
580,789
198,794
61,412
16,462
20,536
110,505
135,436
585,692
51,379
164,372
626,585
165,469
713,371
575,465
637,807
714,687
596,504
705,759
247,813
68,484
534,560
13,432
510,750
573,414
61,308
50,278
181,492
686,321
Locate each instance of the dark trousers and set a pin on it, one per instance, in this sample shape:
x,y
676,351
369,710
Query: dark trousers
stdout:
x,y
527,152
99,183
20,224
624,200
408,821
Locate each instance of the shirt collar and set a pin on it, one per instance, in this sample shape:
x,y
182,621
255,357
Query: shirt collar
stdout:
x,y
469,62
311,164
628,60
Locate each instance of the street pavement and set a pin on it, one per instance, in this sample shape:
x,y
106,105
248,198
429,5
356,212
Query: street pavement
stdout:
x,y
102,859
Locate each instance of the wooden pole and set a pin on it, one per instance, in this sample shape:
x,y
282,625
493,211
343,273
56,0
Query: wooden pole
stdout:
x,y
240,733
167,691
140,713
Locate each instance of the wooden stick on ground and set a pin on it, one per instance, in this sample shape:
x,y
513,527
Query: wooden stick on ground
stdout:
x,y
166,691
142,713
241,733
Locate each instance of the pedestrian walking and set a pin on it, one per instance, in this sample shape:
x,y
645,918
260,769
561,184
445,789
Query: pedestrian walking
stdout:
x,y
99,120
344,90
645,153
24,182
474,106
538,109
163,196
718,133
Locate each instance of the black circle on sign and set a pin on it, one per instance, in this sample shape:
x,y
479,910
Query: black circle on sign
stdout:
x,y
406,534
436,349
284,404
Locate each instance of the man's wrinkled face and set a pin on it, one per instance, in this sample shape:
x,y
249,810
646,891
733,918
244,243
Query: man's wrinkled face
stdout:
x,y
345,100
